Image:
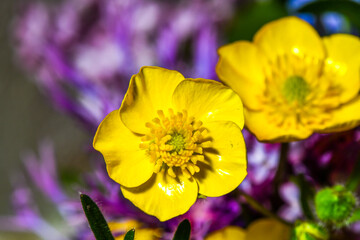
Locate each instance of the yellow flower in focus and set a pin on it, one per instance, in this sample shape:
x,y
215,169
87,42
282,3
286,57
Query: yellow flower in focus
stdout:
x,y
293,82
171,139
261,229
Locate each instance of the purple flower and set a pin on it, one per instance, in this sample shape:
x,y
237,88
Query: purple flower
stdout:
x,y
326,159
290,194
263,160
27,217
206,215
83,53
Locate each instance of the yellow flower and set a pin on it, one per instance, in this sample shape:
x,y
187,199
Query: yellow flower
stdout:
x,y
171,139
120,228
262,229
293,82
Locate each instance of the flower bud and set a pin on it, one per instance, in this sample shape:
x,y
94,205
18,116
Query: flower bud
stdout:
x,y
335,205
309,231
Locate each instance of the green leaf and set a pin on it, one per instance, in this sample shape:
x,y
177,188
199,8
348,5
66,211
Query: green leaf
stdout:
x,y
183,231
95,218
306,193
348,8
354,180
130,235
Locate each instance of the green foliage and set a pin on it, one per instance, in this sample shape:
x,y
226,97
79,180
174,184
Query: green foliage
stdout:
x,y
130,235
350,9
95,218
309,231
183,231
249,19
335,205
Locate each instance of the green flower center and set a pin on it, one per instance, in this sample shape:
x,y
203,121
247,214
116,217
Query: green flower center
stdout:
x,y
295,88
177,141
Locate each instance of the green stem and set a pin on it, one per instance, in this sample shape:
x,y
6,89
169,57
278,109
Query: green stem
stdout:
x,y
258,207
282,165
306,192
354,180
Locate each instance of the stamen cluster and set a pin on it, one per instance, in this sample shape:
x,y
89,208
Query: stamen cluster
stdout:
x,y
297,92
175,143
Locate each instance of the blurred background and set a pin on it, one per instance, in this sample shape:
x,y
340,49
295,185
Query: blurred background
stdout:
x,y
28,118
66,64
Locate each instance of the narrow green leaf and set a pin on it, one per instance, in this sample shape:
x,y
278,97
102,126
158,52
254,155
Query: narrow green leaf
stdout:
x,y
95,218
183,231
130,235
306,193
355,216
354,179
348,8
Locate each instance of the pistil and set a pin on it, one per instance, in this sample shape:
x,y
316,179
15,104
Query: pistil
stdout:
x,y
295,88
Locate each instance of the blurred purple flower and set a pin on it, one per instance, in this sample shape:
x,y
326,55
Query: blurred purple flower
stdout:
x,y
83,53
206,215
326,159
43,173
290,194
27,217
263,160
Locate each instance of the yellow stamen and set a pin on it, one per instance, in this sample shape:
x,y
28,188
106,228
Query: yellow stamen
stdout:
x,y
297,90
175,143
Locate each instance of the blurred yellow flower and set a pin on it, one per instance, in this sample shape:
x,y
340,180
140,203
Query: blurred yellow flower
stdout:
x,y
261,229
172,139
293,82
120,228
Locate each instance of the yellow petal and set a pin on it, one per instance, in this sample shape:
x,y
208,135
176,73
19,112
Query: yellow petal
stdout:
x,y
149,90
343,57
268,229
227,233
226,167
163,196
208,101
240,66
289,35
259,125
126,163
123,226
344,118
144,234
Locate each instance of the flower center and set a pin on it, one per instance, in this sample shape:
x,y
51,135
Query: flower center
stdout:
x,y
290,101
295,88
175,143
